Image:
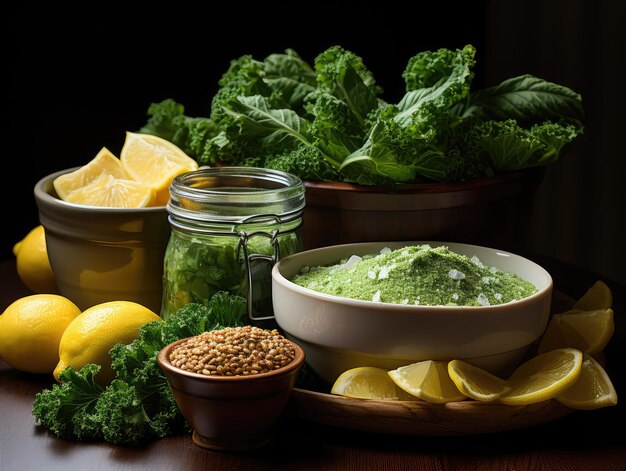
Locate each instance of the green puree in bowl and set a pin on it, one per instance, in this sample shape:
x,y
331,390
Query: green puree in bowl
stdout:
x,y
419,275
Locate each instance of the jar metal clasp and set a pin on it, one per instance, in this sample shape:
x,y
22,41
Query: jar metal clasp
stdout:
x,y
248,258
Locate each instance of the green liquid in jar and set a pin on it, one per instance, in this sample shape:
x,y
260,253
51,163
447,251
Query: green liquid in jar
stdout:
x,y
197,266
219,216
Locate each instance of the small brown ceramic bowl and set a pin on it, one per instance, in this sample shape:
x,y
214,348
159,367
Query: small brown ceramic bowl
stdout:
x,y
231,413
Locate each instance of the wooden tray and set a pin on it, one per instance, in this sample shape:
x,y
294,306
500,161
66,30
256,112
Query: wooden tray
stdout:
x,y
422,418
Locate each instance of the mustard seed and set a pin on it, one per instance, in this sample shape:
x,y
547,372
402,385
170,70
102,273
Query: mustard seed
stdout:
x,y
234,351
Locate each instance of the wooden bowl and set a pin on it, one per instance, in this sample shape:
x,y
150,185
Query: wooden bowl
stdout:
x,y
489,211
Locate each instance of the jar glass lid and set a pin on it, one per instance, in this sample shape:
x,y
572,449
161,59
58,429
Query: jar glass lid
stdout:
x,y
236,195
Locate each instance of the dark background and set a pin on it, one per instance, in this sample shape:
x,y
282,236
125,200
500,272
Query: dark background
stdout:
x,y
81,77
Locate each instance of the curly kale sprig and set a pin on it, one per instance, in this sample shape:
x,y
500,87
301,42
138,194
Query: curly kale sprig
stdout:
x,y
138,405
66,409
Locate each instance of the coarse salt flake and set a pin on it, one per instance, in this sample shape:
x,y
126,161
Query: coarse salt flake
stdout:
x,y
383,273
456,274
493,270
405,301
353,260
376,297
385,250
477,261
498,296
482,300
455,296
371,274
486,279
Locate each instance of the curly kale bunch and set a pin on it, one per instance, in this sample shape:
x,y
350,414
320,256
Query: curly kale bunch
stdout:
x,y
138,405
329,122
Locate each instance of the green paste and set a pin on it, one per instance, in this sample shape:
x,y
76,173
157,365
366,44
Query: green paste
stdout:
x,y
417,275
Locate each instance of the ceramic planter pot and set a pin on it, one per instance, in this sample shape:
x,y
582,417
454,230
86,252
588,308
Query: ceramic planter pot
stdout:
x,y
101,254
491,211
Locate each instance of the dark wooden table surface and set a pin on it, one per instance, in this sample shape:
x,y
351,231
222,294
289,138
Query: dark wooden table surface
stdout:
x,y
583,440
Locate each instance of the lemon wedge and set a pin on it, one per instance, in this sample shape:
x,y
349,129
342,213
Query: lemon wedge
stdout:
x,y
599,296
544,377
109,191
367,382
592,390
154,161
587,331
103,162
428,380
475,382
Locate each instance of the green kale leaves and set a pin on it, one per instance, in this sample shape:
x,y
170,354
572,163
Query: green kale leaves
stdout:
x,y
329,122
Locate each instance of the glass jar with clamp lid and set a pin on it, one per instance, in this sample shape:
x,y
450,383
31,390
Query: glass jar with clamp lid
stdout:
x,y
228,227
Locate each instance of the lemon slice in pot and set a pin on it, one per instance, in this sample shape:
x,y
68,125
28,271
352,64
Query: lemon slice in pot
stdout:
x,y
109,191
154,161
104,162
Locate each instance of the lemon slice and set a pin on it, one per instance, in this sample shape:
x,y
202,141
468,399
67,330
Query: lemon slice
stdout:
x,y
599,296
105,161
154,161
587,331
428,380
367,382
109,191
592,390
544,376
476,383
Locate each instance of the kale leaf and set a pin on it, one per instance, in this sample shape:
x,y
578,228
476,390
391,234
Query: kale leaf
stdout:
x,y
525,98
408,140
511,147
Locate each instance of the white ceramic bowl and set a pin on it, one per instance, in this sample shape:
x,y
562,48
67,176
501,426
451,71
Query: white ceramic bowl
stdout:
x,y
340,333
103,254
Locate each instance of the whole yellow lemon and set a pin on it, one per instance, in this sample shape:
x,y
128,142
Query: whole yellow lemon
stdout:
x,y
33,266
91,335
31,329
